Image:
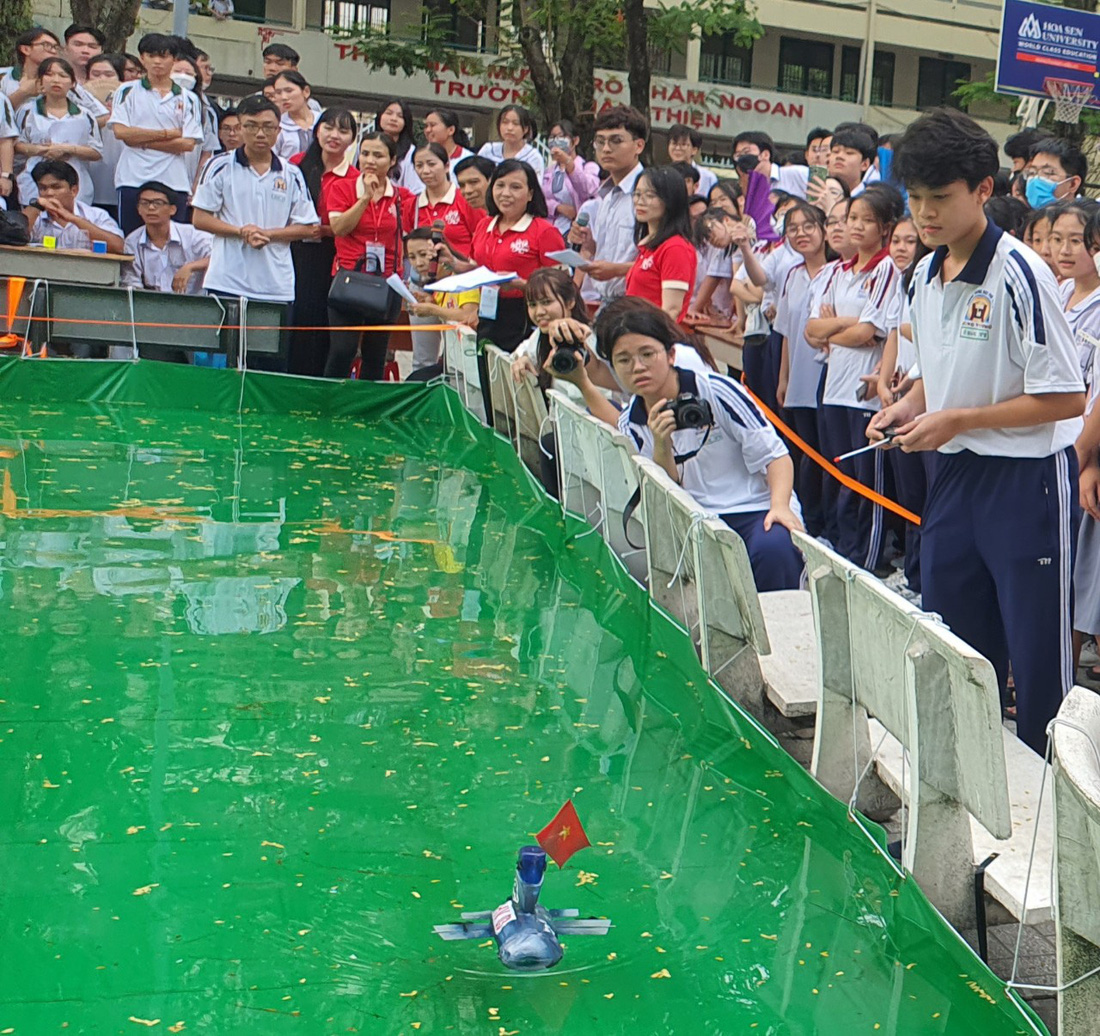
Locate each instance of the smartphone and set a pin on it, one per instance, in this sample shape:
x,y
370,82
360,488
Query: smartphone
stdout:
x,y
819,173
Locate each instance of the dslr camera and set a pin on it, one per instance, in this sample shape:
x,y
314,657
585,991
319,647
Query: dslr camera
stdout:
x,y
690,411
569,355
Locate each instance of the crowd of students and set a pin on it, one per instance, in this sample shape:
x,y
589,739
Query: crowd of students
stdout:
x,y
815,263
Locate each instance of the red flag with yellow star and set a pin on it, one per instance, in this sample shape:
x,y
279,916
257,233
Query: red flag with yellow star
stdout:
x,y
564,835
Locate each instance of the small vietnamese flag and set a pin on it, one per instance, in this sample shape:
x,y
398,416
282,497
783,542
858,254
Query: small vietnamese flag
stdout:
x,y
564,835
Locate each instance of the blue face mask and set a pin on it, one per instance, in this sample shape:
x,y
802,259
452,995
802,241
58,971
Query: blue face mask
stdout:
x,y
1040,192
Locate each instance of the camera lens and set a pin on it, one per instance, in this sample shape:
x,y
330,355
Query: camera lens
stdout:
x,y
564,361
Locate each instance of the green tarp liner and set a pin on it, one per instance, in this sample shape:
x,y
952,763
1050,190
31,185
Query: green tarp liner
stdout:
x,y
282,688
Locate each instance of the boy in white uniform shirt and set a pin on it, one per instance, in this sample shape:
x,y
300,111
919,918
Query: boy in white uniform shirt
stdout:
x,y
158,124
63,216
999,400
168,256
254,204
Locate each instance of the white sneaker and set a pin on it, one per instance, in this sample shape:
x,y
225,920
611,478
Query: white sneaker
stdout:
x,y
1089,655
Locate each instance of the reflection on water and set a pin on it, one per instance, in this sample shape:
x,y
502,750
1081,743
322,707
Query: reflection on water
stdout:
x,y
279,697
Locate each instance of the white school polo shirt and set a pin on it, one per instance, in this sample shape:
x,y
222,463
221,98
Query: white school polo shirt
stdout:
x,y
137,104
153,268
230,189
864,294
727,475
68,234
792,313
995,332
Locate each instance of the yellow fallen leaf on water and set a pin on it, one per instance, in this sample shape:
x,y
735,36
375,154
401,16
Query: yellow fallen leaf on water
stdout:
x,y
273,845
413,993
586,877
178,1027
47,784
144,891
663,973
150,1022
134,830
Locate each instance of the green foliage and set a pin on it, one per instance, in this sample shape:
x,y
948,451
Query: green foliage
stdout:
x,y
15,17
674,26
982,91
409,52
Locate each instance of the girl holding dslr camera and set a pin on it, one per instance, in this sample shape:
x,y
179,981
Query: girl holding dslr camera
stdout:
x,y
715,443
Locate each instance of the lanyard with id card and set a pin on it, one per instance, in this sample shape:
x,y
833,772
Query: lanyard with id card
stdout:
x,y
375,257
487,307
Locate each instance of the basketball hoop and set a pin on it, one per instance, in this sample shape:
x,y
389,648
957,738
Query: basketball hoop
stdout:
x,y
1070,97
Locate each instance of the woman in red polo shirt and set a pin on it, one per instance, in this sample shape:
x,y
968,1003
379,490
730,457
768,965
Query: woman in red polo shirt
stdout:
x,y
664,271
365,214
440,200
321,163
515,240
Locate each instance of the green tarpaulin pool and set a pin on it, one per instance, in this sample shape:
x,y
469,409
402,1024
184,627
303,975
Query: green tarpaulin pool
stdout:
x,y
285,687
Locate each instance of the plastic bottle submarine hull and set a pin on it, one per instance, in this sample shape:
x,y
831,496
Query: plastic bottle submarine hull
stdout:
x,y
526,933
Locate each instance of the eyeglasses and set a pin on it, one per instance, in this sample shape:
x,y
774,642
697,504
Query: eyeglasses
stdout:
x,y
794,229
645,195
607,143
152,203
626,361
831,224
260,127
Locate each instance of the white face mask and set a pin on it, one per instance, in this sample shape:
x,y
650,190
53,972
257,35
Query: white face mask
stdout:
x,y
183,80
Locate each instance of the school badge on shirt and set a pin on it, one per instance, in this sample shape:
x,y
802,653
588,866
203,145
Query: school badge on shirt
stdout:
x,y
520,246
978,318
279,184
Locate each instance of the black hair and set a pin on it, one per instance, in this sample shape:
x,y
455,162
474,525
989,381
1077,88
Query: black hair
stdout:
x,y
685,170
197,88
53,61
1082,208
668,185
84,30
1008,213
483,165
450,119
730,188
862,127
856,140
156,43
705,220
816,216
56,168
758,139
283,52
1092,232
29,39
537,205
907,274
526,120
1002,183
293,76
116,61
384,138
681,132
438,150
625,118
255,104
185,48
566,127
944,146
312,164
885,202
555,283
420,234
633,315
1070,158
1035,216
696,199
780,198
818,133
405,139
225,113
1019,145
269,81
133,59
156,185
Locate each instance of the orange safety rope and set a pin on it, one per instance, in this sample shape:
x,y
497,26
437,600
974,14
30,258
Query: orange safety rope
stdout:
x,y
832,469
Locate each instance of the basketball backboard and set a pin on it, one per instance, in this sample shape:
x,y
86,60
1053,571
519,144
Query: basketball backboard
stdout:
x,y
1042,42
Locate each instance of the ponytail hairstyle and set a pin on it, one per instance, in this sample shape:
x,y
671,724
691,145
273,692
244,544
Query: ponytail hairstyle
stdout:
x,y
449,119
438,150
885,203
633,315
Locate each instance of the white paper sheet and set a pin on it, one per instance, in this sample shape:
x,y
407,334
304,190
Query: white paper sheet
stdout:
x,y
470,281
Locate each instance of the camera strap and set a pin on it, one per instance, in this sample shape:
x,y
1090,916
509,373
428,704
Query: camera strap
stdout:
x,y
679,459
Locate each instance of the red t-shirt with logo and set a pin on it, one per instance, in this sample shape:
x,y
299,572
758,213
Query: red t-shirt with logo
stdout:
x,y
378,223
521,249
670,265
459,219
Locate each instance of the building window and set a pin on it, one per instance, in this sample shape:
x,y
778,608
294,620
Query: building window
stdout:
x,y
805,67
937,81
882,76
351,15
723,61
463,32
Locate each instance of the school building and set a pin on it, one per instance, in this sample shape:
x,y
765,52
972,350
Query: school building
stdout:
x,y
805,71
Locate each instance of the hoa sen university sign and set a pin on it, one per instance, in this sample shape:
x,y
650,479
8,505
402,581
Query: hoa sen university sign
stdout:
x,y
713,110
